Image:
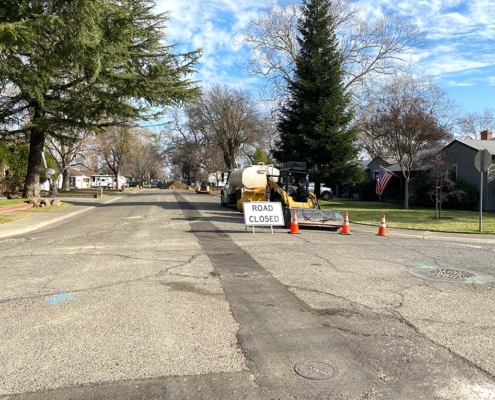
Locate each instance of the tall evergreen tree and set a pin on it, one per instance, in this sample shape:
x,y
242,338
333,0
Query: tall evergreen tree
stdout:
x,y
84,63
316,123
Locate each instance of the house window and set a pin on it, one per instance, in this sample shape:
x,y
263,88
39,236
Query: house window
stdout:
x,y
453,173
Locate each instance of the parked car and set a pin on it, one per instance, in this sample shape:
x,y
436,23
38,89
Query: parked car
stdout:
x,y
153,184
325,192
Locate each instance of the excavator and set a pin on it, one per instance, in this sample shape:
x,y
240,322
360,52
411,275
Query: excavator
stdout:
x,y
288,185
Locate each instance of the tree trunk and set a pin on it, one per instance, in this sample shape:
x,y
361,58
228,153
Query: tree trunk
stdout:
x,y
32,183
117,179
406,194
65,179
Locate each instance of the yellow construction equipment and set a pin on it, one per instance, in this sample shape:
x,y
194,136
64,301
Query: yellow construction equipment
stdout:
x,y
287,185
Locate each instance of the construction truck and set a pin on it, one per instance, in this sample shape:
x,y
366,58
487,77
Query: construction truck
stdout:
x,y
246,184
288,185
203,188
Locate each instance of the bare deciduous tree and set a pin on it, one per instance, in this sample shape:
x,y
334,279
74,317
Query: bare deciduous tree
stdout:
x,y
147,158
227,116
370,48
67,151
115,148
190,146
410,115
439,178
472,123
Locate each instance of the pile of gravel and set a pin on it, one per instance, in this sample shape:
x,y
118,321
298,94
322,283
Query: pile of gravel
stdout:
x,y
175,185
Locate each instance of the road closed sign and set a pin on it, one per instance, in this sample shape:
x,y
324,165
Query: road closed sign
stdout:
x,y
263,213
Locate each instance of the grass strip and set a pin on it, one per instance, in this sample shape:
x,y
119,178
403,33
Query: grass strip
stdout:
x,y
420,218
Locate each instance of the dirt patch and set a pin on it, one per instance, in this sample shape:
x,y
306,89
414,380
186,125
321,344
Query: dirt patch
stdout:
x,y
175,185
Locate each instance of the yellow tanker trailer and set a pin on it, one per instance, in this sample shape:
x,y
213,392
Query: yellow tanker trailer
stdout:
x,y
246,184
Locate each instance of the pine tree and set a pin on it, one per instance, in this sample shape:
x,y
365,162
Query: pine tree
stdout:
x,y
316,123
83,63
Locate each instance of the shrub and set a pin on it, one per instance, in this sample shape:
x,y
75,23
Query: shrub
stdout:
x,y
421,192
463,196
366,190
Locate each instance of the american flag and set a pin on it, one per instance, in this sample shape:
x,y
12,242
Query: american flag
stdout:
x,y
382,180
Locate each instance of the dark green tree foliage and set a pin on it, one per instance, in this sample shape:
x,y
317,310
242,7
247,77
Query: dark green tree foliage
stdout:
x,y
315,124
84,64
13,157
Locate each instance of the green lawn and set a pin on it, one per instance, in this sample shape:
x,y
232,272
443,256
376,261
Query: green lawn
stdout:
x,y
24,213
6,203
8,218
421,218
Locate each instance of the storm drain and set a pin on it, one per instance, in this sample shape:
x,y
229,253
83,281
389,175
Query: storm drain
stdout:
x,y
315,370
451,275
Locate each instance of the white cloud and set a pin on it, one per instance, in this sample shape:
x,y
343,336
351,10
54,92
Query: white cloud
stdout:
x,y
459,84
460,36
210,25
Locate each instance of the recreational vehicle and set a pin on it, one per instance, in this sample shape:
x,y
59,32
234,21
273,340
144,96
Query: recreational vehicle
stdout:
x,y
104,181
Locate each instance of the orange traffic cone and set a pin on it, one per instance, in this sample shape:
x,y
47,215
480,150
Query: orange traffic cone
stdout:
x,y
294,226
346,229
382,230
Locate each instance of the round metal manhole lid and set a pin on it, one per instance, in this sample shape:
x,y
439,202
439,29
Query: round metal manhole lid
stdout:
x,y
316,370
451,275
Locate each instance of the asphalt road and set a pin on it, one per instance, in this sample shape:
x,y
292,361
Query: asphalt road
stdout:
x,y
166,295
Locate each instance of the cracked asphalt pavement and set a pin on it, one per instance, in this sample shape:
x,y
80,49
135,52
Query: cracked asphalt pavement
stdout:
x,y
165,294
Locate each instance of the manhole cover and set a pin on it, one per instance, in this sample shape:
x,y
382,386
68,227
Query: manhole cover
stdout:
x,y
451,273
316,370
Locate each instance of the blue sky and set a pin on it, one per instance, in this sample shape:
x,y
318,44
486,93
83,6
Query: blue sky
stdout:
x,y
460,50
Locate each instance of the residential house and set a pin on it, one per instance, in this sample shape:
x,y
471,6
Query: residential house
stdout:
x,y
461,154
79,179
395,187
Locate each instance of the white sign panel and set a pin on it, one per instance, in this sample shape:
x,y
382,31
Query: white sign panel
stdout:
x,y
263,213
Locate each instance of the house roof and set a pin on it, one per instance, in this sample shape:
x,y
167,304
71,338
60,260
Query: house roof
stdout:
x,y
477,144
393,166
76,172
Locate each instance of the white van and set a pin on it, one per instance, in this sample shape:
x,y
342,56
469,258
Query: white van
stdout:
x,y
105,181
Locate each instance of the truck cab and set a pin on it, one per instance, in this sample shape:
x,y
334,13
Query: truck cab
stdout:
x,y
325,192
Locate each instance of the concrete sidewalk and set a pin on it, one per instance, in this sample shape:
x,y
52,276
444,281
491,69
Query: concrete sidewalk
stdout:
x,y
44,219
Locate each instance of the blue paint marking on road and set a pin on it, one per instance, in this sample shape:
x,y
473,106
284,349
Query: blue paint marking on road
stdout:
x,y
59,297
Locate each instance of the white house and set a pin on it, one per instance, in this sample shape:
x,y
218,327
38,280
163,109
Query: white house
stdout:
x,y
79,179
